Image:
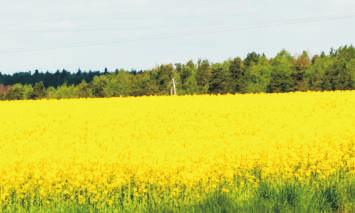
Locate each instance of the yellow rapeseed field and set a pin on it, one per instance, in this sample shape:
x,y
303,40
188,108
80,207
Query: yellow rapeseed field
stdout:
x,y
104,151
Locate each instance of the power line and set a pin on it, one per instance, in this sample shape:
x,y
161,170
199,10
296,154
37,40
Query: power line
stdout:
x,y
307,20
116,19
96,29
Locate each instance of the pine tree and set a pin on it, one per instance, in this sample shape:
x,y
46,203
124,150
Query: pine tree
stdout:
x,y
238,75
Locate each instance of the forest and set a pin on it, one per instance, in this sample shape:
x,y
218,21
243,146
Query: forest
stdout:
x,y
256,73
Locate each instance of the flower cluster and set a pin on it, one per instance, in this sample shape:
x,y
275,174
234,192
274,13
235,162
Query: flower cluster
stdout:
x,y
116,151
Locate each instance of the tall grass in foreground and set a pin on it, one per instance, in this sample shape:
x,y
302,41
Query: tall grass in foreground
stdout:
x,y
334,194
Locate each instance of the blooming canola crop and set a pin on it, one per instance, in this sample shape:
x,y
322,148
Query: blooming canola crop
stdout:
x,y
106,151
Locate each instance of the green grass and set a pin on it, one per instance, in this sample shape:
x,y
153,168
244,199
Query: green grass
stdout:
x,y
336,194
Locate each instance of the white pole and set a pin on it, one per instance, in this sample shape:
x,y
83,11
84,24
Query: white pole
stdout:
x,y
174,87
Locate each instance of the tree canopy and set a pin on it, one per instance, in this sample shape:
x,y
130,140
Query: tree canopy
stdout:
x,y
253,74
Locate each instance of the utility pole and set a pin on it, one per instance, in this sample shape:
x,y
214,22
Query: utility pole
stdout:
x,y
173,89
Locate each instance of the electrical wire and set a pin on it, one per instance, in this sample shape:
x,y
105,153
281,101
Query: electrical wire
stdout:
x,y
280,23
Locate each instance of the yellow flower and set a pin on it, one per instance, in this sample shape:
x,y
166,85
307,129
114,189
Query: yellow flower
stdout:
x,y
100,149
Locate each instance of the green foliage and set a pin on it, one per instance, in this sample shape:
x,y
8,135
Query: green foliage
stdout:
x,y
144,84
118,84
39,91
315,75
64,91
251,59
238,75
258,77
84,90
98,86
329,198
340,74
203,74
54,79
301,64
16,92
254,74
281,74
220,81
334,194
188,83
163,75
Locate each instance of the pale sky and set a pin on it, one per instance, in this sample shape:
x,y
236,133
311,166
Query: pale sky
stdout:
x,y
140,34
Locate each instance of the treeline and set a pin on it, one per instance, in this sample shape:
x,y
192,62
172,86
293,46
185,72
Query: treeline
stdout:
x,y
255,73
49,79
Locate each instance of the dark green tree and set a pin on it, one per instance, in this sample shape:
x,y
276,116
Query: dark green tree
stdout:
x,y
98,86
339,76
258,76
16,92
220,81
163,76
39,91
238,75
63,91
281,79
119,84
315,74
188,84
301,64
252,58
84,90
203,75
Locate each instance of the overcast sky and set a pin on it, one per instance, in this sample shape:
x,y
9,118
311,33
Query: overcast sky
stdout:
x,y
139,34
